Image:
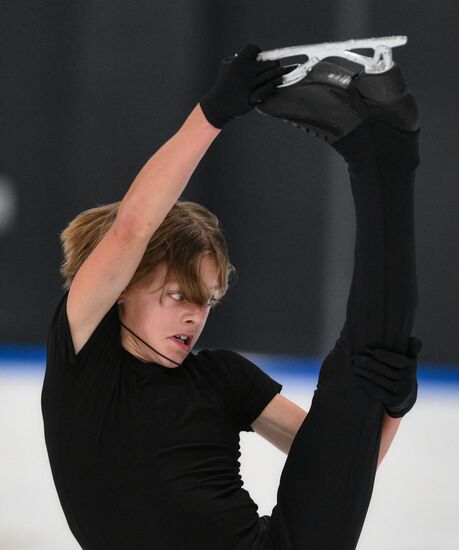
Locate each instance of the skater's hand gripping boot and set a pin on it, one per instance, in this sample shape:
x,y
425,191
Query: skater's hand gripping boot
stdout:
x,y
242,83
389,377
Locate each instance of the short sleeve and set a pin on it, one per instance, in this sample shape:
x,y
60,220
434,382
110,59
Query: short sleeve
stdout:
x,y
104,340
251,388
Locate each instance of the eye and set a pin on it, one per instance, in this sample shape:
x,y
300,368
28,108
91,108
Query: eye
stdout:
x,y
177,294
211,301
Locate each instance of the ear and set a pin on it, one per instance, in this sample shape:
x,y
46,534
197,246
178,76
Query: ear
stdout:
x,y
121,297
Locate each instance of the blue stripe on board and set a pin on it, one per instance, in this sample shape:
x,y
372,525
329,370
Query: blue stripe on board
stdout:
x,y
444,373
21,357
22,353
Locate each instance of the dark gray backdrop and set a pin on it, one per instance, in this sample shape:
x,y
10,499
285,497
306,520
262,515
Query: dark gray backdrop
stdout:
x,y
90,90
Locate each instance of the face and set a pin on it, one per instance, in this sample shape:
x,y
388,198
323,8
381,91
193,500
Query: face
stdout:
x,y
156,323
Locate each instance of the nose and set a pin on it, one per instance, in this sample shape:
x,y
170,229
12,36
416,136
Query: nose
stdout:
x,y
196,313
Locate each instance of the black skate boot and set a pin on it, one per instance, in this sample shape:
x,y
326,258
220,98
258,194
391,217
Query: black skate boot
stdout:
x,y
333,98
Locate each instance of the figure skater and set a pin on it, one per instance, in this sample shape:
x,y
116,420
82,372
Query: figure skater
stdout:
x,y
142,434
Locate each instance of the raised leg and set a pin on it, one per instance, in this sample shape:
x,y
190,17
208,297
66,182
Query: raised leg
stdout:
x,y
327,481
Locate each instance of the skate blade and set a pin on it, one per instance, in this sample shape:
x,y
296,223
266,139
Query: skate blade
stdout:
x,y
381,61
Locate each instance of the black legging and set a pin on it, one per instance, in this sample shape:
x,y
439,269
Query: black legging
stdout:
x,y
327,481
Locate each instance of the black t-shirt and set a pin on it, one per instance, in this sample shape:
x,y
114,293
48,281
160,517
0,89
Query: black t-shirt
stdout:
x,y
145,456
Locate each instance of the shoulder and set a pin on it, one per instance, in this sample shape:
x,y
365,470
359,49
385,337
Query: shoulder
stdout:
x,y
224,357
232,363
60,343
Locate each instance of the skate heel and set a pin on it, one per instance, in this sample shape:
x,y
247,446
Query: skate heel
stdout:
x,y
382,87
387,98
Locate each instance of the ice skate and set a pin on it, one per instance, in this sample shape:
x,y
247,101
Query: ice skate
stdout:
x,y
336,89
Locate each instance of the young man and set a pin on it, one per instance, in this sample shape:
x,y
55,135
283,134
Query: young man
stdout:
x,y
143,435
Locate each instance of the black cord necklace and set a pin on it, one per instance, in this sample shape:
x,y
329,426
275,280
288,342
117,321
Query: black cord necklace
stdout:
x,y
151,347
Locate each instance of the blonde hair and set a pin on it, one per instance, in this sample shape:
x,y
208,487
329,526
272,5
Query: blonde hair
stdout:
x,y
187,234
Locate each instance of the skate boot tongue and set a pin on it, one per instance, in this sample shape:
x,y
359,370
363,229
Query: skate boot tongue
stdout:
x,y
329,72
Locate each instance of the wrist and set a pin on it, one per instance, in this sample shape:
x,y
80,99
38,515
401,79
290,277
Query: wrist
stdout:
x,y
203,120
212,113
197,123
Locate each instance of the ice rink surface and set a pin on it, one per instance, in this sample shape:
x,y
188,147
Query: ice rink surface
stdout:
x,y
415,503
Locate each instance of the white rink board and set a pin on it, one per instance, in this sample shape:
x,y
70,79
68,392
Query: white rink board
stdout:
x,y
414,506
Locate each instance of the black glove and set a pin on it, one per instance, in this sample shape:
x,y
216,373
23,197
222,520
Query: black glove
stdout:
x,y
242,83
389,377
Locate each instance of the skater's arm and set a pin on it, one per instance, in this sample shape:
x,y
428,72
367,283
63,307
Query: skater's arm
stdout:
x,y
111,265
279,422
281,419
389,429
241,83
165,175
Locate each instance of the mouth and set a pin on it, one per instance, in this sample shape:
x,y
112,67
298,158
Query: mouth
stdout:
x,y
184,342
